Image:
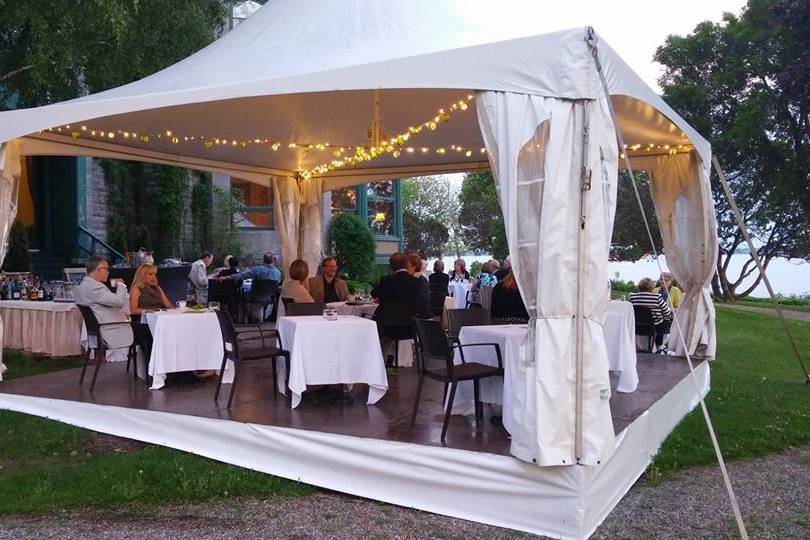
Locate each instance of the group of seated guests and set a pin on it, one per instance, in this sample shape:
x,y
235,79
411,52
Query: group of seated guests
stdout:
x,y
657,300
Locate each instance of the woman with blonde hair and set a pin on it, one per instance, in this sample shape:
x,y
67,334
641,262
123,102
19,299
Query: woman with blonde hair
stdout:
x,y
296,286
459,272
146,294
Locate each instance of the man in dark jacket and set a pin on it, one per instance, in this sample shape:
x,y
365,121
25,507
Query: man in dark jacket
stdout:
x,y
401,297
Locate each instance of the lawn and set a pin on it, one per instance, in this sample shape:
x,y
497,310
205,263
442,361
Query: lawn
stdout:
x,y
47,465
758,401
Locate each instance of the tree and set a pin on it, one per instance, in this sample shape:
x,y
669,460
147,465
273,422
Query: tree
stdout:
x,y
743,83
480,218
18,258
430,208
53,50
352,244
630,241
426,236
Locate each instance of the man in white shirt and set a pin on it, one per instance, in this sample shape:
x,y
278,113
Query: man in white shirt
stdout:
x,y
107,306
199,277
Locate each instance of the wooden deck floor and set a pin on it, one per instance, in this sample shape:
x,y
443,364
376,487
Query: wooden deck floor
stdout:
x,y
387,420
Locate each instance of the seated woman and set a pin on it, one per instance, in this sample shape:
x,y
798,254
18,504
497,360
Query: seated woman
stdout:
x,y
661,314
232,267
486,277
146,294
296,286
459,272
438,279
507,305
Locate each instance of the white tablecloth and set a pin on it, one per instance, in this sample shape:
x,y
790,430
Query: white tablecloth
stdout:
x,y
333,352
185,342
458,290
619,327
52,328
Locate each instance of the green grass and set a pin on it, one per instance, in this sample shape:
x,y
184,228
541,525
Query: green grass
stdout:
x,y
759,401
47,466
769,305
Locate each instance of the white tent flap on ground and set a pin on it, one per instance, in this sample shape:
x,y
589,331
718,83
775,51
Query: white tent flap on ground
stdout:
x,y
286,99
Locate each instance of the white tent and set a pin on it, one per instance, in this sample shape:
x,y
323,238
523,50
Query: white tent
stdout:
x,y
286,99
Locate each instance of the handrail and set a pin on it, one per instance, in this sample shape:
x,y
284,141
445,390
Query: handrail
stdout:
x,y
95,240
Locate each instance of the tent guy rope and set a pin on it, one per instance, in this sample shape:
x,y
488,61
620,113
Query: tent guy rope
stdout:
x,y
709,425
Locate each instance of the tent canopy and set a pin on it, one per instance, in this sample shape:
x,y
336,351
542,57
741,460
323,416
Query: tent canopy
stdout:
x,y
305,73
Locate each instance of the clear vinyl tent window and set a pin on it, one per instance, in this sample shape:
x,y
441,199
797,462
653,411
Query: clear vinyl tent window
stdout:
x,y
531,176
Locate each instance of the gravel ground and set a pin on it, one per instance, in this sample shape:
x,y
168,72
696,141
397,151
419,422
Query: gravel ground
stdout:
x,y
774,494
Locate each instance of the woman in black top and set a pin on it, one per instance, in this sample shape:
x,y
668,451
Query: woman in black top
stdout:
x,y
507,304
233,268
438,279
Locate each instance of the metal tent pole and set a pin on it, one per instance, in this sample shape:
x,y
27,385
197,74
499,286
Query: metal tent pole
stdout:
x,y
754,255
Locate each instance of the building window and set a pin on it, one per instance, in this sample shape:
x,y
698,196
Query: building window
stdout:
x,y
382,215
255,204
344,200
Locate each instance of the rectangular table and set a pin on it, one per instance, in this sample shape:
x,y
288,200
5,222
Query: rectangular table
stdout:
x,y
345,351
52,328
185,342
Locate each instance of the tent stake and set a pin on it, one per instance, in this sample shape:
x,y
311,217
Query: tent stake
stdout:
x,y
754,255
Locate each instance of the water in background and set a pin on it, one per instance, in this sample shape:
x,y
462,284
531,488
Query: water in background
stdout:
x,y
788,276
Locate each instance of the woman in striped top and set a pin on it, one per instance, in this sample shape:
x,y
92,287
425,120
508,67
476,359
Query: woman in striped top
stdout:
x,y
662,315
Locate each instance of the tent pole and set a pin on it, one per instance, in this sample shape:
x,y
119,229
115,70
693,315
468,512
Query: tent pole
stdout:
x,y
584,188
754,255
591,39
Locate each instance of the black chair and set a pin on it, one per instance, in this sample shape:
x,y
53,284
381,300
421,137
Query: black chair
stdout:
x,y
432,346
459,318
94,334
437,296
226,293
645,325
294,309
263,292
245,343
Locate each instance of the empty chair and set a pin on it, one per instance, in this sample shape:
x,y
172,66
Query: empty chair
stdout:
x,y
437,296
96,342
645,325
294,309
434,360
226,293
246,343
459,318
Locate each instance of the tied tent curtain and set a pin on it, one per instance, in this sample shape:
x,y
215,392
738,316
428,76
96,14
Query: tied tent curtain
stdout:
x,y
536,151
311,213
286,205
683,203
10,170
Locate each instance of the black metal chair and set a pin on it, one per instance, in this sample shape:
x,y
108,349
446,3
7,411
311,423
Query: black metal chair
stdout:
x,y
245,343
645,325
459,318
295,309
437,296
95,334
433,346
226,293
263,292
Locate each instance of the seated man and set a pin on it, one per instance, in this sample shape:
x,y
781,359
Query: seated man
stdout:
x,y
108,306
328,287
401,297
198,277
266,270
